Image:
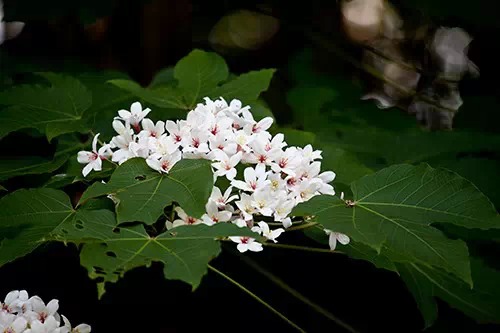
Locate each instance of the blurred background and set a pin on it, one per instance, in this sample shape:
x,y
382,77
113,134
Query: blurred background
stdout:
x,y
329,54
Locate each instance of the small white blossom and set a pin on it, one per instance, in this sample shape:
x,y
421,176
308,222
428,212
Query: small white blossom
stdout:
x,y
21,314
247,244
336,236
93,158
263,228
134,116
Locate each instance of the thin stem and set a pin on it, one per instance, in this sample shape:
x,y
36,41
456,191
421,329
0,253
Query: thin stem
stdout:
x,y
280,283
257,298
302,226
301,248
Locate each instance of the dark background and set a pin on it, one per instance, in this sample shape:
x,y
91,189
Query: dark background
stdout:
x,y
140,37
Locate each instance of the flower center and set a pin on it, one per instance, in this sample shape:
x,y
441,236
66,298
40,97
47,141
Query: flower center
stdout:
x,y
244,240
283,162
196,142
165,165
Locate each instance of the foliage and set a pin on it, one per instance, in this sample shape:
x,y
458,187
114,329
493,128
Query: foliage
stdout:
x,y
399,212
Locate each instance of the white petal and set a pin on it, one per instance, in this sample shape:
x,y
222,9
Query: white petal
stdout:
x,y
94,143
343,239
332,241
82,328
86,170
287,222
124,114
240,184
136,108
84,157
37,303
19,324
231,174
265,123
153,164
23,295
53,306
12,296
235,239
255,247
148,124
242,247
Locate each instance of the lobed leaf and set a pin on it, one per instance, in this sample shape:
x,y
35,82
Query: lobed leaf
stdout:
x,y
396,208
110,251
198,73
57,109
27,217
143,193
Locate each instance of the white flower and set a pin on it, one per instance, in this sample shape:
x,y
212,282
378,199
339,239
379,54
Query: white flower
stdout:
x,y
185,219
247,244
14,301
334,236
165,163
255,179
162,146
222,200
21,314
286,161
263,201
307,189
275,181
178,131
8,30
82,328
226,164
220,142
122,142
309,154
139,148
263,228
245,204
42,312
49,325
214,215
13,324
283,207
134,116
149,129
93,158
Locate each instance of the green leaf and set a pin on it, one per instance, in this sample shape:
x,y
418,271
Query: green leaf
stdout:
x,y
164,77
354,250
107,99
29,165
143,193
246,87
110,251
57,109
27,217
395,208
165,97
425,283
198,74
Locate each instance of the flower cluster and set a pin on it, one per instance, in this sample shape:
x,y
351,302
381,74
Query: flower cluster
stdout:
x,y
276,178
21,314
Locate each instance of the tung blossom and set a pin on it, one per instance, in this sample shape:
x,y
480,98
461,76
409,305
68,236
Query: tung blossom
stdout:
x,y
276,177
94,158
